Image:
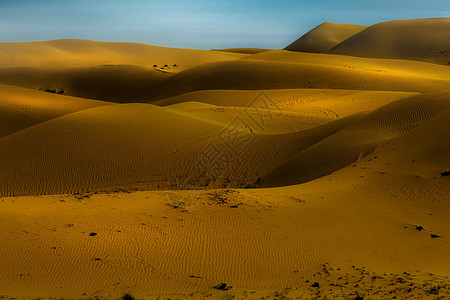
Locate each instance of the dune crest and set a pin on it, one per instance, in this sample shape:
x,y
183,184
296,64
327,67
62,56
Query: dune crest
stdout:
x,y
324,36
419,39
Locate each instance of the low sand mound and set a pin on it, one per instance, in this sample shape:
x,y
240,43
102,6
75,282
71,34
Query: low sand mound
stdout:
x,y
359,139
21,108
419,39
253,74
70,53
110,83
324,36
95,149
329,103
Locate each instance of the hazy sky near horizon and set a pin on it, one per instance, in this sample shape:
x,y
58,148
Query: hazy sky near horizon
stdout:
x,y
201,24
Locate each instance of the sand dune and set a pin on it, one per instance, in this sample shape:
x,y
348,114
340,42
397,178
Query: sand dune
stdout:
x,y
359,138
330,103
306,144
70,53
131,159
420,39
324,37
255,74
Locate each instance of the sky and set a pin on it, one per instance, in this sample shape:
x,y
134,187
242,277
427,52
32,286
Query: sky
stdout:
x,y
197,24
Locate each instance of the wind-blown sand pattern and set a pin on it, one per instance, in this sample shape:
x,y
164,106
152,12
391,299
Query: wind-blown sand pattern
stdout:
x,y
129,169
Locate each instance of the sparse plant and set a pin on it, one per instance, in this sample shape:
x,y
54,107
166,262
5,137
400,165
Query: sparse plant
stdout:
x,y
127,297
434,289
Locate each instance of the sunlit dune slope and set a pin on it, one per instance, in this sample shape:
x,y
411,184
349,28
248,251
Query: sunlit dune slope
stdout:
x,y
70,53
118,83
142,146
332,103
324,36
361,137
419,39
390,66
21,108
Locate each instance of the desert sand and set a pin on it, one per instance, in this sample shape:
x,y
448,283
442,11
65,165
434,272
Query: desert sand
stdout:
x,y
319,171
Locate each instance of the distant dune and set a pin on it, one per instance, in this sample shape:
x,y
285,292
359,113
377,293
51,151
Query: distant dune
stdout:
x,y
242,50
324,37
421,39
83,53
129,170
281,69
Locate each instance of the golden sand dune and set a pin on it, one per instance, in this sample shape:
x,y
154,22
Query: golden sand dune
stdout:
x,y
247,173
140,153
324,37
330,103
142,146
256,74
391,66
70,53
419,39
359,138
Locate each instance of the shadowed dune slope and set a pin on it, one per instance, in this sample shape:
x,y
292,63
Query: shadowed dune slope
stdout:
x,y
110,83
71,53
361,138
324,36
419,39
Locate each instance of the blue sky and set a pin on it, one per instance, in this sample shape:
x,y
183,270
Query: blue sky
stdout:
x,y
200,24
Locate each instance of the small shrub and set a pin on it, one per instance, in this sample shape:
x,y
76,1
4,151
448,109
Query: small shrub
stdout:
x,y
127,297
434,289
